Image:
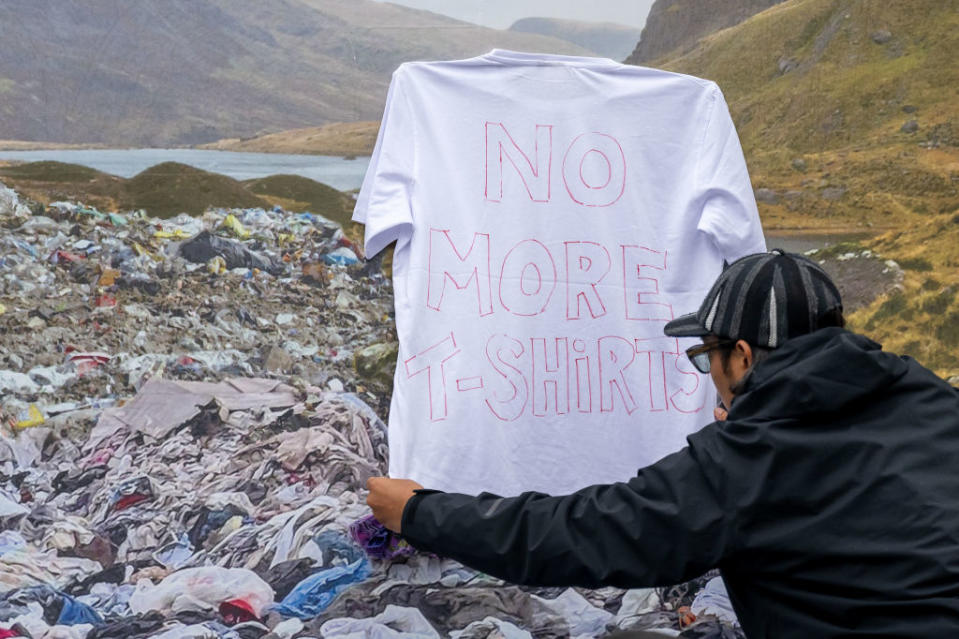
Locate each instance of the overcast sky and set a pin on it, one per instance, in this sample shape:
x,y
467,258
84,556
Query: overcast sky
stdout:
x,y
500,14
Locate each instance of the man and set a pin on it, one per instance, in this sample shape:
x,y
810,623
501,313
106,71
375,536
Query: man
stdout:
x,y
829,498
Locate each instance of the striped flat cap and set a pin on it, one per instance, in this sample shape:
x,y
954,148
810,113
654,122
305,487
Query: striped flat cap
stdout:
x,y
765,299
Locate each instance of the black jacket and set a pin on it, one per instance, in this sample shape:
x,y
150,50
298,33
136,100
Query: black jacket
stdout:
x,y
829,500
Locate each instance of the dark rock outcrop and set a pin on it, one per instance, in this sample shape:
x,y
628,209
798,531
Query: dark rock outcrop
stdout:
x,y
676,24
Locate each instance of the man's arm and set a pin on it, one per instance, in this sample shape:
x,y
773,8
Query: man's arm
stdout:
x,y
663,526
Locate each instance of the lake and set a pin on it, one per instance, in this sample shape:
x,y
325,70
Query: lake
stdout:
x,y
337,172
799,242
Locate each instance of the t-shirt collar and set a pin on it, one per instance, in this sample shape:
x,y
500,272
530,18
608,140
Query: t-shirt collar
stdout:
x,y
504,56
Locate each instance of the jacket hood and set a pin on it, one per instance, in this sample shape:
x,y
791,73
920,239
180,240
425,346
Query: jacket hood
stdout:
x,y
823,371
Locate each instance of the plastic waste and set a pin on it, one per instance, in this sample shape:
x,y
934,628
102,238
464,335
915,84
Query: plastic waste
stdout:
x,y
211,585
232,224
86,362
204,246
342,256
75,613
311,596
31,417
216,265
10,204
14,382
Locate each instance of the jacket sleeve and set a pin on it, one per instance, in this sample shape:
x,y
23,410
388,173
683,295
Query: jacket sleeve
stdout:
x,y
664,526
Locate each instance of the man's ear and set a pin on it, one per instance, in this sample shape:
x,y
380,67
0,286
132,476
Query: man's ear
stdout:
x,y
745,351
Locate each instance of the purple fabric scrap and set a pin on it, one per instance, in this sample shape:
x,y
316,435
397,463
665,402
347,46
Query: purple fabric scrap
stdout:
x,y
378,541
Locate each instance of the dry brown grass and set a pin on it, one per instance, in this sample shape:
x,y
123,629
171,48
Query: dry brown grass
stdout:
x,y
341,138
27,145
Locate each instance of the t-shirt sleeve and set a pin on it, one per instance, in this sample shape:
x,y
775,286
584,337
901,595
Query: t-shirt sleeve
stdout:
x,y
729,213
383,204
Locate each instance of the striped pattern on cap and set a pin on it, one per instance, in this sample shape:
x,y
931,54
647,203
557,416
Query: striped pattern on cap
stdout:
x,y
765,299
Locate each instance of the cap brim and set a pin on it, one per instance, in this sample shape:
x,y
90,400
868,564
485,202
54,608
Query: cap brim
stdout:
x,y
685,326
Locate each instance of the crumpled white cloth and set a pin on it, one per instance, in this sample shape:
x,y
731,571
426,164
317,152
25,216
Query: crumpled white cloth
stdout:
x,y
396,622
491,628
714,600
583,617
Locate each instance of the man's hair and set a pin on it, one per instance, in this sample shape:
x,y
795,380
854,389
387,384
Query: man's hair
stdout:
x,y
833,317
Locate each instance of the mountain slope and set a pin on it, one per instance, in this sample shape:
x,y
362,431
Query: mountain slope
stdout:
x,y
679,24
185,72
606,39
848,112
822,91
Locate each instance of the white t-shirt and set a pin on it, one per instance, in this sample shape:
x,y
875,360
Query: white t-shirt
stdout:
x,y
551,213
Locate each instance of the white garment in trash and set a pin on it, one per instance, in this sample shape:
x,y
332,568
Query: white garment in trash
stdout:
x,y
551,214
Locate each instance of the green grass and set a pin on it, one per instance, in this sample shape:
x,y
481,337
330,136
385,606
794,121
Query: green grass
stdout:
x,y
948,330
916,264
895,306
938,304
170,188
921,320
48,171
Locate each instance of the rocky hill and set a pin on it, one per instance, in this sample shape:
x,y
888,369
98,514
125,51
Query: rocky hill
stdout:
x,y
609,40
846,109
185,72
679,24
849,118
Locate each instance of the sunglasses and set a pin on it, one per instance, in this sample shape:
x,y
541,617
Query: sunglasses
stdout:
x,y
699,355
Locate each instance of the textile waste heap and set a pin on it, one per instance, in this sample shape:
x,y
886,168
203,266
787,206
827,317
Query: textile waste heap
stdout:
x,y
185,439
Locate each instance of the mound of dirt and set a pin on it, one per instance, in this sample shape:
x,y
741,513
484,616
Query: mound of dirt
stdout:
x,y
51,181
49,171
298,193
170,188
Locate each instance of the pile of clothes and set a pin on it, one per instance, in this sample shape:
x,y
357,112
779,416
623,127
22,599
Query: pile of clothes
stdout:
x,y
189,411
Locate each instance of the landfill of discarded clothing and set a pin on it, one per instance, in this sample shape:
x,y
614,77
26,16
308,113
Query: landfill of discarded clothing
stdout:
x,y
189,411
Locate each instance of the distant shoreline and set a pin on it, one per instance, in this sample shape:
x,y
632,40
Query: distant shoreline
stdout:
x,y
29,145
338,139
222,145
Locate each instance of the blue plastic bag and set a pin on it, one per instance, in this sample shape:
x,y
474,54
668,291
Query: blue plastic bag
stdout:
x,y
311,596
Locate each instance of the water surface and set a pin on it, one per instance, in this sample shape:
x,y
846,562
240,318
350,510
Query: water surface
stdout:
x,y
338,172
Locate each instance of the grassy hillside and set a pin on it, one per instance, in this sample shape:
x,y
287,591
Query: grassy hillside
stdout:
x,y
821,91
848,111
171,188
922,319
46,182
678,24
341,138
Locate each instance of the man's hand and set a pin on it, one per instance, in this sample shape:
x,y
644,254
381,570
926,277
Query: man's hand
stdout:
x,y
388,498
720,414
